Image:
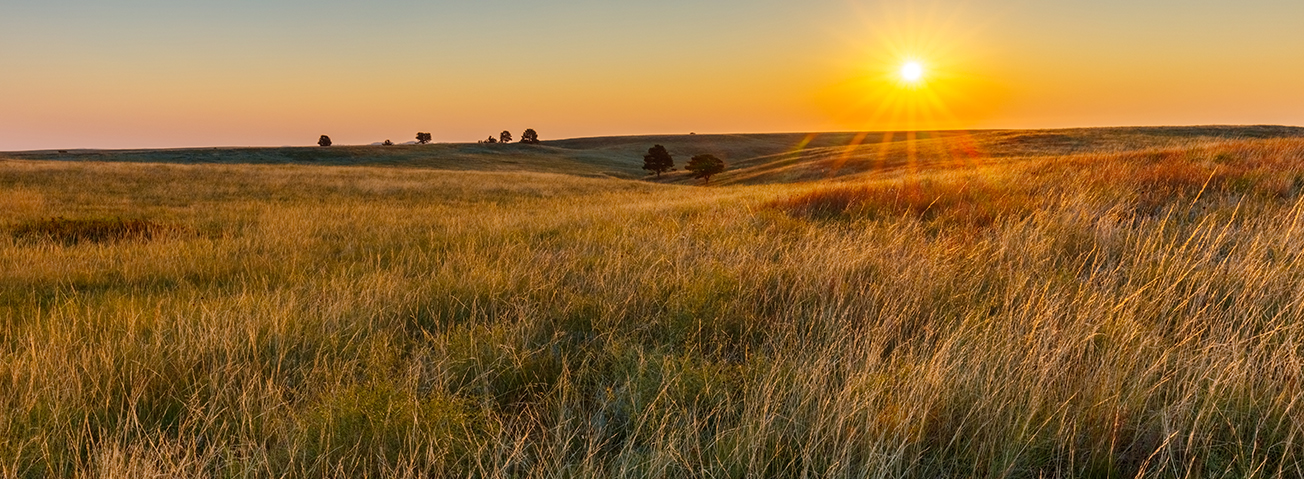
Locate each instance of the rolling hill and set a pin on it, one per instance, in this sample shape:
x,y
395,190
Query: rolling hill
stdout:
x,y
752,158
1081,303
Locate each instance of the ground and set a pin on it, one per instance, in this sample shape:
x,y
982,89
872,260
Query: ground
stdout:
x,y
1102,303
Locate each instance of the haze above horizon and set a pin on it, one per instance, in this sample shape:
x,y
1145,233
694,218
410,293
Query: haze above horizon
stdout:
x,y
156,74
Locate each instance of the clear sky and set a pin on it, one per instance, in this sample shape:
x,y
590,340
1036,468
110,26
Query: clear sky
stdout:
x,y
165,73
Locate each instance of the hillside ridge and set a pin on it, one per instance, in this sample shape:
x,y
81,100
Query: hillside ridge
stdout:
x,y
753,158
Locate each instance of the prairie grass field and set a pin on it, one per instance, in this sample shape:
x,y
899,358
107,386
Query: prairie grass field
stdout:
x,y
1120,311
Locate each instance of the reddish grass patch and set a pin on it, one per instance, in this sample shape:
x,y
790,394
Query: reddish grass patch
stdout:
x,y
1158,178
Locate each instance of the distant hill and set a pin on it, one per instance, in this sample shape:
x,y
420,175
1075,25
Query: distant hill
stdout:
x,y
752,158
758,159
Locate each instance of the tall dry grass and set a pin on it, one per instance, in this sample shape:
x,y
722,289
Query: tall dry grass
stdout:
x,y
1123,315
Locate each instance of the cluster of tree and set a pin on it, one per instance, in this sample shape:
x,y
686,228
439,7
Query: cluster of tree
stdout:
x,y
422,138
530,137
704,166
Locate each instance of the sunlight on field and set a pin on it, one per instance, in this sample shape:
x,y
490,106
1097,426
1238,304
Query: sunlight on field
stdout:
x,y
1100,314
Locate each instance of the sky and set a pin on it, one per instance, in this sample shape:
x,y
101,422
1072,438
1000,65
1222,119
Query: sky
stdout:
x,y
189,73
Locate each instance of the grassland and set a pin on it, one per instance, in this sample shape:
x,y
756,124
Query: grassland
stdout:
x,y
1096,303
754,159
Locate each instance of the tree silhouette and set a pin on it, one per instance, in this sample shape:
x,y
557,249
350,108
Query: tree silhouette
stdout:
x,y
703,166
658,159
491,140
505,136
423,138
530,137
324,141
387,143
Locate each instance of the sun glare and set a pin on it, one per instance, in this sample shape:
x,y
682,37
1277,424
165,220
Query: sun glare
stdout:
x,y
911,69
912,72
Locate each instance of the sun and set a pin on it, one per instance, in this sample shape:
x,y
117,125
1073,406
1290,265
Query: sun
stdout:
x,y
912,72
909,69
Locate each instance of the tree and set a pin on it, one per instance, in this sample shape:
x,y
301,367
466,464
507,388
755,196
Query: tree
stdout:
x,y
324,141
703,166
658,160
423,138
491,140
387,143
530,137
505,136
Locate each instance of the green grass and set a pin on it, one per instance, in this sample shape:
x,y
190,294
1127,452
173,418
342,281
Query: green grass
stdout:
x,y
1110,312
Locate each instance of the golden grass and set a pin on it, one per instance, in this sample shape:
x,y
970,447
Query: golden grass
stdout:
x,y
1100,315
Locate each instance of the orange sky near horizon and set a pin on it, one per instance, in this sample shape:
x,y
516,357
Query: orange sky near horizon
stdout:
x,y
150,73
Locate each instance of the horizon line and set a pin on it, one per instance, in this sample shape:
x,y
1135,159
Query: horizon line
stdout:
x,y
598,137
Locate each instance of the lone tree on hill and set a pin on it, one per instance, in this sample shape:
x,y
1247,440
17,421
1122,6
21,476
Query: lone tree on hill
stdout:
x,y
703,166
423,138
505,136
658,160
387,143
324,141
530,137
